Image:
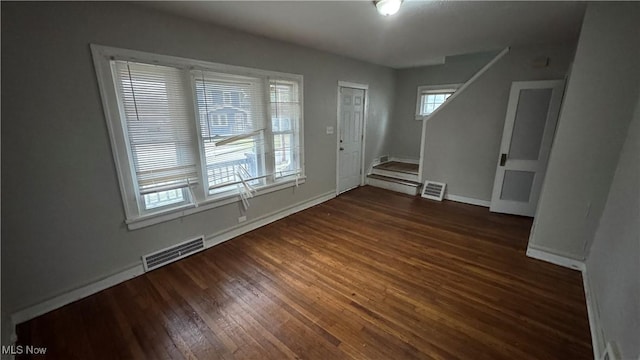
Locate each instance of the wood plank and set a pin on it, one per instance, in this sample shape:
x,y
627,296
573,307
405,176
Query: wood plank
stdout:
x,y
372,274
398,166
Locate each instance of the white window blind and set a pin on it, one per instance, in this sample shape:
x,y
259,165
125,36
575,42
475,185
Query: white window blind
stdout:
x,y
285,126
231,112
190,135
157,123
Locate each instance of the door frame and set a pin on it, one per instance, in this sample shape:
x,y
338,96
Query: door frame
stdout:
x,y
353,85
507,134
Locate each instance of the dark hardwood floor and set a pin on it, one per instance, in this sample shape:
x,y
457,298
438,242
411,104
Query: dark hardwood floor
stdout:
x,y
371,274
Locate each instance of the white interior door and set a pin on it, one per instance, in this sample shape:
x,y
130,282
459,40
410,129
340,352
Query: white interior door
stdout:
x,y
351,116
532,114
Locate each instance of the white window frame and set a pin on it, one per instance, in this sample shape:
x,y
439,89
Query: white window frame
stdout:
x,y
429,90
198,197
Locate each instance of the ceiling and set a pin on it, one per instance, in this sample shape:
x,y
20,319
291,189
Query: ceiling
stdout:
x,y
421,33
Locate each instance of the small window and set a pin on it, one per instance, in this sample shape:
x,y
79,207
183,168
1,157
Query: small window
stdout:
x,y
431,97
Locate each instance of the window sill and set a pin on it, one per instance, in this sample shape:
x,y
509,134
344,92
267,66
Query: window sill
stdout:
x,y
185,210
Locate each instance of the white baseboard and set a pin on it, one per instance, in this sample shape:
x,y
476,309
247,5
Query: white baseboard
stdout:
x,y
404,160
137,269
467,200
598,341
76,294
597,337
222,236
397,187
555,259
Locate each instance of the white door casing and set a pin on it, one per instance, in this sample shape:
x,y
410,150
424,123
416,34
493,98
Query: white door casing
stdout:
x,y
530,124
351,108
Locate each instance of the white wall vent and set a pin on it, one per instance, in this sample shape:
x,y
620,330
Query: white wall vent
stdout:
x,y
173,253
433,190
384,159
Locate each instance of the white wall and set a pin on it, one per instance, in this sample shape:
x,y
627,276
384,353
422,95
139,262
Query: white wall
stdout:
x,y
613,264
463,139
405,132
597,108
62,216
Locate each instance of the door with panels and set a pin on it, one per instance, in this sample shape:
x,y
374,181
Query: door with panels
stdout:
x,y
530,124
351,118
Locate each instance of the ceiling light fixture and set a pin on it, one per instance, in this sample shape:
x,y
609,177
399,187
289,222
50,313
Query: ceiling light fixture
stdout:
x,y
388,7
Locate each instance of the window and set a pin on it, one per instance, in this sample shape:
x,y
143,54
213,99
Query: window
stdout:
x,y
188,134
431,97
234,149
285,117
156,121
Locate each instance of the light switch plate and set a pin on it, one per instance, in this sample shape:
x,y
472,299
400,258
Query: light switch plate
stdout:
x,y
329,130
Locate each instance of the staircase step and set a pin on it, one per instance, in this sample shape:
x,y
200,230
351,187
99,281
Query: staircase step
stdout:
x,y
397,166
394,180
395,174
390,183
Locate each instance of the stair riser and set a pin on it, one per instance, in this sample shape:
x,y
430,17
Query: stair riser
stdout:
x,y
401,188
394,174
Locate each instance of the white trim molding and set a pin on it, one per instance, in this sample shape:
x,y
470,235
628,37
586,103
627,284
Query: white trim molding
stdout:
x,y
353,85
365,115
432,89
467,200
597,336
199,197
138,269
598,341
189,209
76,294
556,259
230,233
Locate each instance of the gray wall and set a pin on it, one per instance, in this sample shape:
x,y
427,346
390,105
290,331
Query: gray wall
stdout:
x,y
463,139
405,134
613,264
62,216
598,106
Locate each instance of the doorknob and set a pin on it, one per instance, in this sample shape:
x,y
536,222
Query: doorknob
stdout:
x,y
503,159
341,148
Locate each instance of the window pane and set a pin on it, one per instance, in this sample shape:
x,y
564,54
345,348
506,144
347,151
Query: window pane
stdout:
x,y
285,119
231,113
284,153
163,198
530,120
230,162
230,108
284,116
158,129
430,108
431,101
